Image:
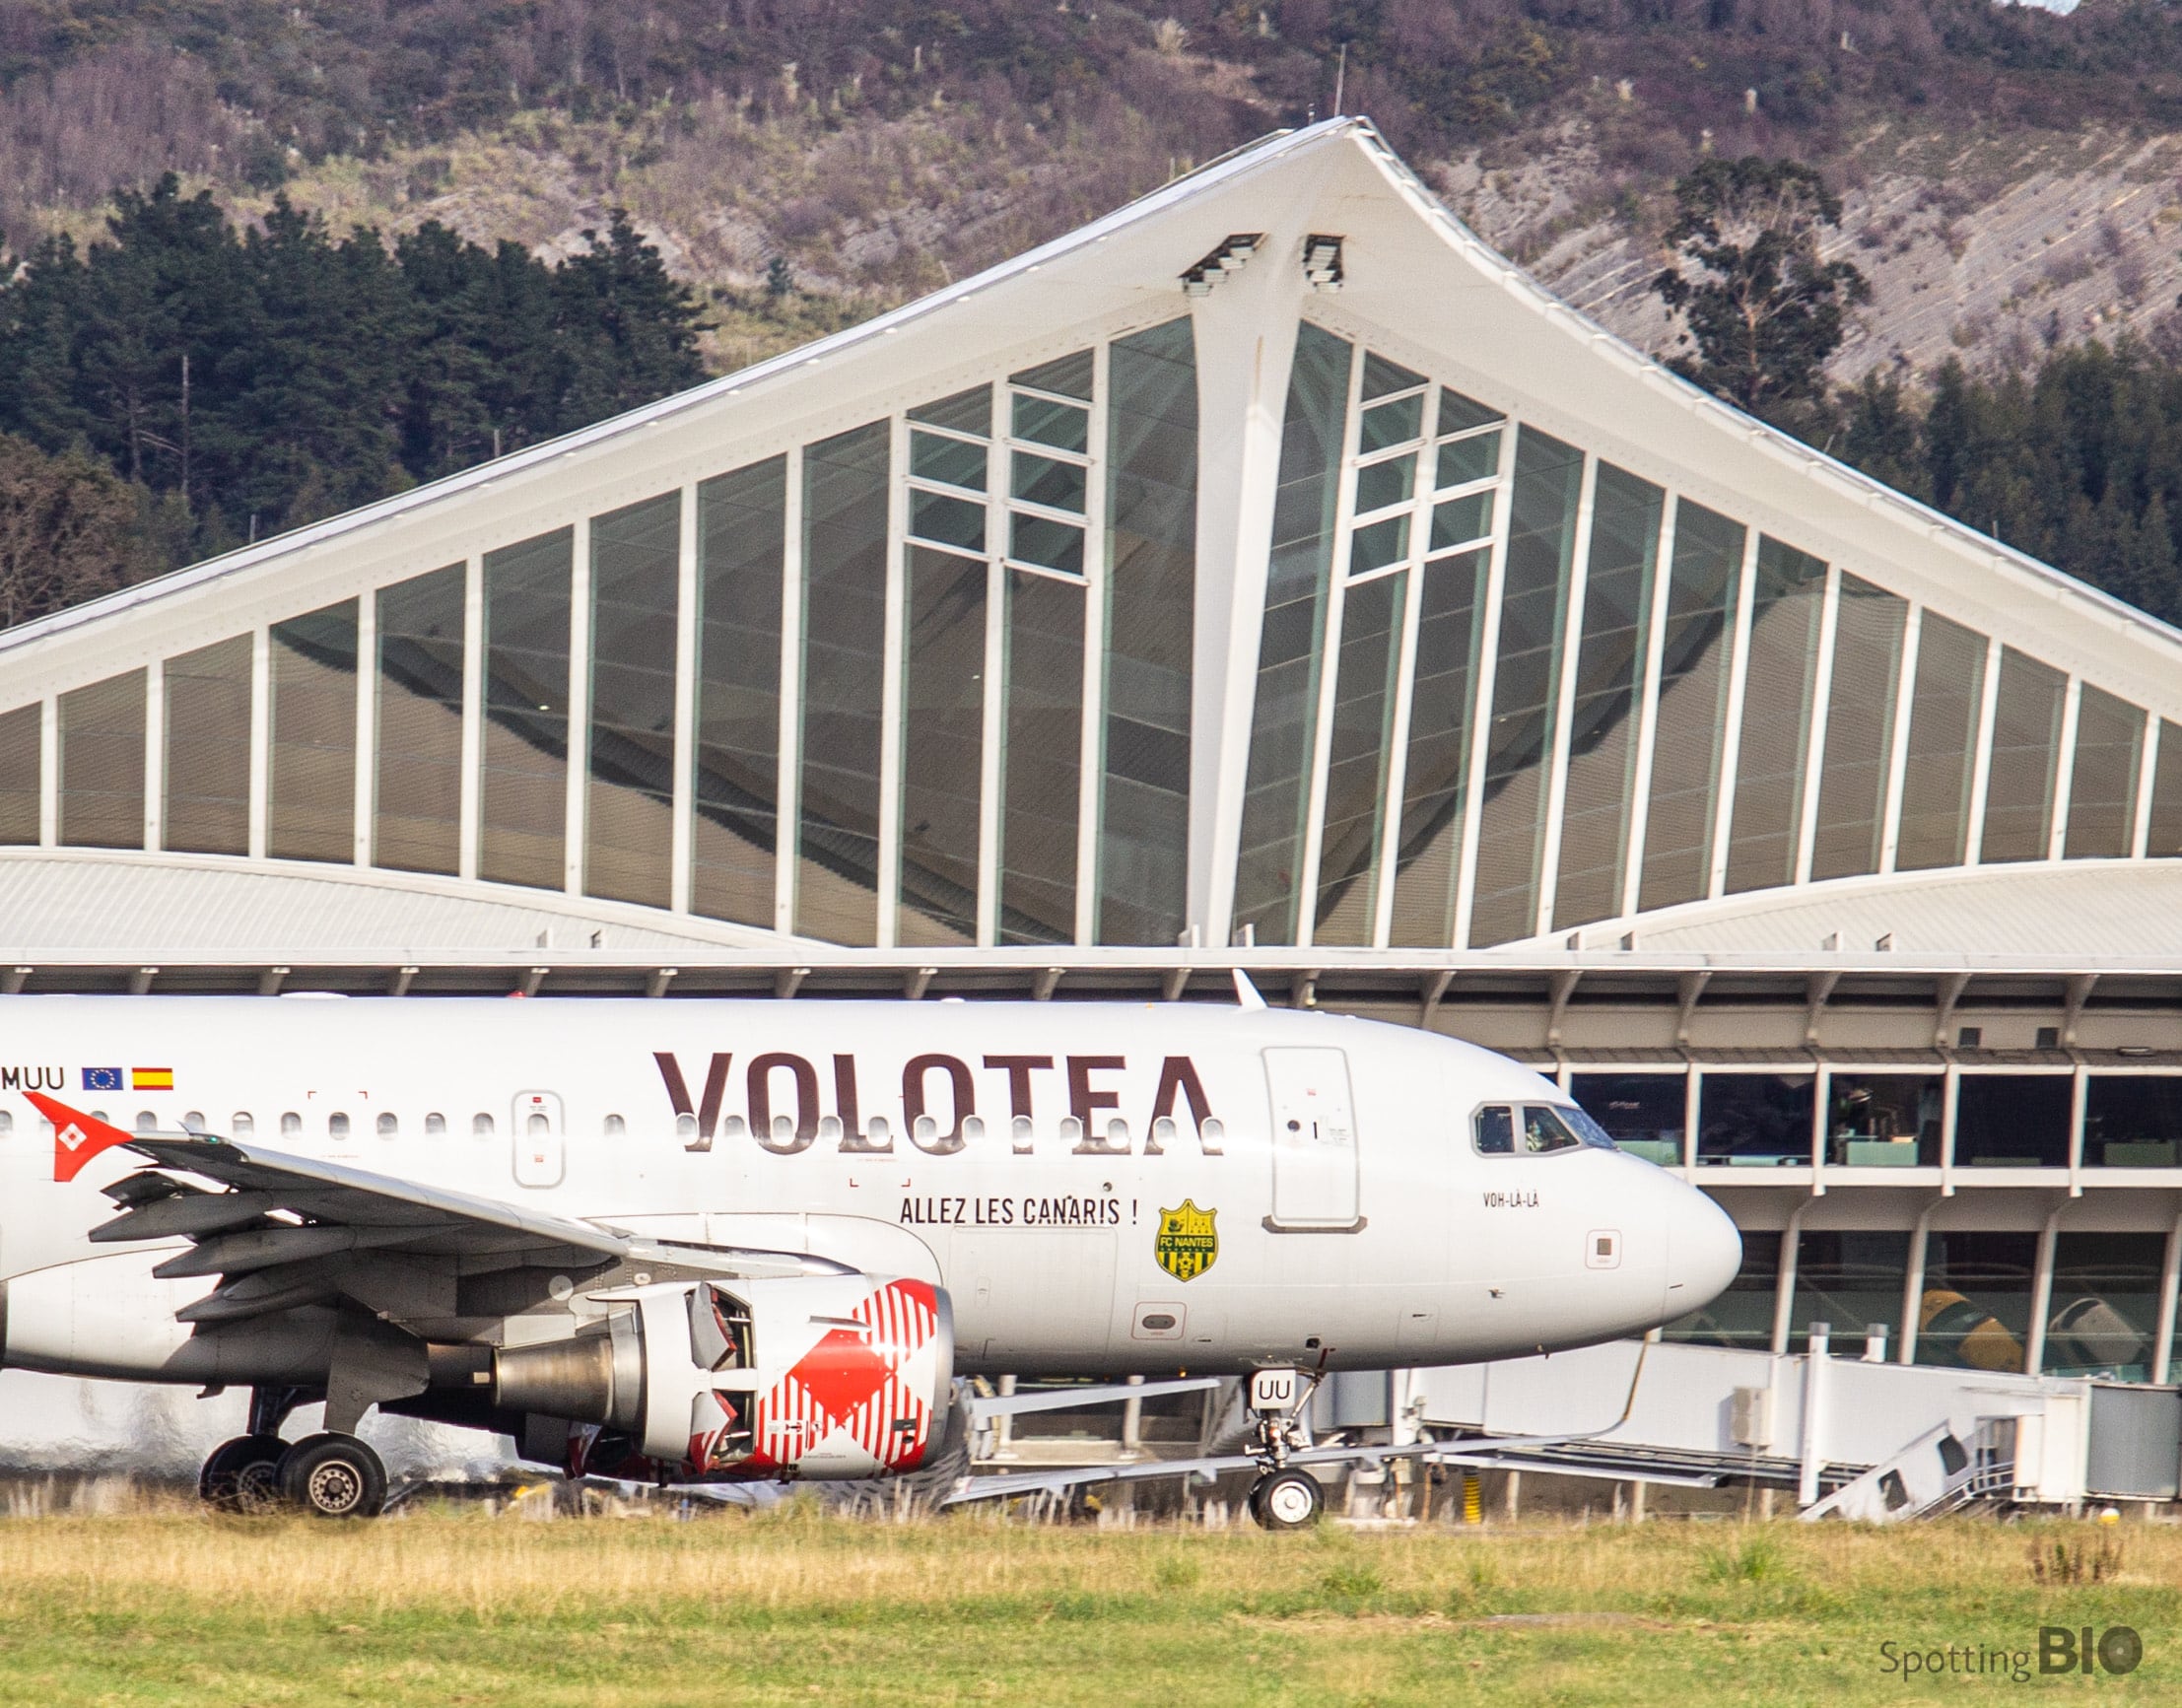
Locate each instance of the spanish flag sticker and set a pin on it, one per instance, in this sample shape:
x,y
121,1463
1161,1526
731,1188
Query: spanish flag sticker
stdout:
x,y
151,1079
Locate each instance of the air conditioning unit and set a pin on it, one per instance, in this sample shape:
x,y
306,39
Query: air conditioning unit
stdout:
x,y
1750,1419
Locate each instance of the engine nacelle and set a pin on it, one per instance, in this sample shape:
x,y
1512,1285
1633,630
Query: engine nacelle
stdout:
x,y
812,1375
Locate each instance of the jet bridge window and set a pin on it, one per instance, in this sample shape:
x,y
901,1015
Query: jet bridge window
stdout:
x,y
1529,1129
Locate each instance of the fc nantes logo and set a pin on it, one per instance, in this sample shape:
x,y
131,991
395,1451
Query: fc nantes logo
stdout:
x,y
1188,1242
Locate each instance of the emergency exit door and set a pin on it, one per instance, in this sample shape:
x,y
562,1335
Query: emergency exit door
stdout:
x,y
1313,1139
540,1155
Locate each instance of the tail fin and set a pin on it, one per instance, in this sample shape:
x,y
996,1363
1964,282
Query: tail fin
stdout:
x,y
77,1137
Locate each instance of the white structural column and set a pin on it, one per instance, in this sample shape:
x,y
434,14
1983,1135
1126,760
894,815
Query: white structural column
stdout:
x,y
1731,734
992,731
366,724
155,751
473,713
1648,710
1090,777
1981,756
1897,758
1246,342
2148,765
579,708
893,675
2041,1292
788,831
48,770
1814,745
1318,753
261,738
2170,1274
687,610
1485,648
2064,770
1564,707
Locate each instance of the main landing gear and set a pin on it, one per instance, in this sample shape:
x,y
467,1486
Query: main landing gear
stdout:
x,y
327,1475
1284,1496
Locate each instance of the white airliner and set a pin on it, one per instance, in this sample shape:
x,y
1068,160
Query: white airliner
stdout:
x,y
697,1239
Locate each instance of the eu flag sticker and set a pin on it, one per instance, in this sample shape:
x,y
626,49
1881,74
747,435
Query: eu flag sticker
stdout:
x,y
102,1079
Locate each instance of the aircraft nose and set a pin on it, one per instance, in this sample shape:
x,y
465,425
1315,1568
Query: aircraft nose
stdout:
x,y
1704,1252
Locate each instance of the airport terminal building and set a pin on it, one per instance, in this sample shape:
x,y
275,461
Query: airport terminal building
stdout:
x,y
1266,575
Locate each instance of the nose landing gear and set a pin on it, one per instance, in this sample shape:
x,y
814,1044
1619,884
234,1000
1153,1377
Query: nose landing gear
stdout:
x,y
1284,1496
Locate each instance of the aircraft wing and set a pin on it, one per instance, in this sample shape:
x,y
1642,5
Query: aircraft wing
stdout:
x,y
284,1231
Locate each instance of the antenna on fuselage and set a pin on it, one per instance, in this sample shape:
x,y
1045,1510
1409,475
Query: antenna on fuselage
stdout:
x,y
1246,994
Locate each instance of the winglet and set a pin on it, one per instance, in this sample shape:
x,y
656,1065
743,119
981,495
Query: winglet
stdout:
x,y
77,1137
1246,994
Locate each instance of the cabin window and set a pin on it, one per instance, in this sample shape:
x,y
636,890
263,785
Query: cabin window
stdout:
x,y
240,1126
537,1124
7,1124
389,1125
685,1126
615,1126
435,1123
337,1125
481,1124
146,1120
291,1125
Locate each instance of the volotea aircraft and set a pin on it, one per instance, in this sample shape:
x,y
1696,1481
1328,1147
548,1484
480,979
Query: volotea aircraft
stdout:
x,y
716,1241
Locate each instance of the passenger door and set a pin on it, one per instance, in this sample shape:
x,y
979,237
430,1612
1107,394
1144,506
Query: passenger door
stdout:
x,y
1313,1139
540,1139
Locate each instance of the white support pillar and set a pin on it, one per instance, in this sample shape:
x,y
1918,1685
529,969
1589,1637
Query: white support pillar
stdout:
x,y
993,730
1821,704
1913,1283
1245,338
1321,731
1981,755
2147,766
2170,1274
787,837
1897,758
1810,1455
1730,732
48,770
155,752
2041,1292
688,608
1647,713
1091,770
366,725
470,833
893,679
2064,770
580,708
261,738
1784,1286
1486,650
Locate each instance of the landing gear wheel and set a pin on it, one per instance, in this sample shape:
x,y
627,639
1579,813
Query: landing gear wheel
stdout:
x,y
1287,1500
242,1474
334,1477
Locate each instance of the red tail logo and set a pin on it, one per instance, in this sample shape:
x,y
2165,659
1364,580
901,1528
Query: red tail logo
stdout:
x,y
77,1137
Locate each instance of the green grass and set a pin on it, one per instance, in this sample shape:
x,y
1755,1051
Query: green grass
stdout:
x,y
794,1607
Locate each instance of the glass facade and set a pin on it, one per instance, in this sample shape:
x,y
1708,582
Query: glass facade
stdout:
x,y
636,577
1754,1120
101,764
736,785
1151,524
1743,1316
843,699
1500,687
523,781
1276,792
311,814
207,774
418,809
1851,1280
2012,1120
2131,1121
1975,1312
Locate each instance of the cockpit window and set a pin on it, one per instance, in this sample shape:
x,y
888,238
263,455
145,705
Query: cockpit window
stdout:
x,y
1544,1131
1535,1129
1587,1130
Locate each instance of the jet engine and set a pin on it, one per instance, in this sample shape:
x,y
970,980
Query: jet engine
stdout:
x,y
806,1377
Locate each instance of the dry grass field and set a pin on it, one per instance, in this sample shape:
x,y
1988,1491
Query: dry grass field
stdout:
x,y
172,1607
